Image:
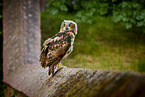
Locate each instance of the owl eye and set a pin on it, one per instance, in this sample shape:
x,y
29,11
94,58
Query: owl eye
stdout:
x,y
70,25
63,25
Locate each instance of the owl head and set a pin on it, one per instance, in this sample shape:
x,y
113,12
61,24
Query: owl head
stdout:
x,y
68,25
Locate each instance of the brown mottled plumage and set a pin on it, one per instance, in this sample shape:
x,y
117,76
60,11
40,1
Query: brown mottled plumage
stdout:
x,y
57,48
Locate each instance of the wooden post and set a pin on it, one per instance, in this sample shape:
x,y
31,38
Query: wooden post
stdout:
x,y
21,34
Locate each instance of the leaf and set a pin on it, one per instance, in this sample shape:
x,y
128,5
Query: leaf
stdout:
x,y
63,8
139,24
128,25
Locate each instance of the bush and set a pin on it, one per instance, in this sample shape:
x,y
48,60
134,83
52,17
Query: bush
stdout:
x,y
141,65
82,10
130,14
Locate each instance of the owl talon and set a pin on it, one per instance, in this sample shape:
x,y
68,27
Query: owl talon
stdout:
x,y
60,66
63,66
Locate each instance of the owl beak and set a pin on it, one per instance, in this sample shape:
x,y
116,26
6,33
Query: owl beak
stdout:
x,y
66,27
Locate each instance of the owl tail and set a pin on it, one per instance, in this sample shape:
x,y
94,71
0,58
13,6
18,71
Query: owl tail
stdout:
x,y
51,70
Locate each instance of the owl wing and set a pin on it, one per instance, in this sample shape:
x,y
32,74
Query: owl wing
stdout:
x,y
43,55
49,40
53,51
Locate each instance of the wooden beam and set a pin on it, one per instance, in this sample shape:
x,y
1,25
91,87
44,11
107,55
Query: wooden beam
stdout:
x,y
21,38
77,82
21,34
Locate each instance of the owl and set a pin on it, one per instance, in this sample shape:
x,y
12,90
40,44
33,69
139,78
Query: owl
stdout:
x,y
57,48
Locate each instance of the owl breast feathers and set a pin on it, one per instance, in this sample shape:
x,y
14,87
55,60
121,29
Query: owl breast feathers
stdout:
x,y
57,48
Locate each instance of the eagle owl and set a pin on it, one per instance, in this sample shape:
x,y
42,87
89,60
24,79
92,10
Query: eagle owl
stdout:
x,y
57,48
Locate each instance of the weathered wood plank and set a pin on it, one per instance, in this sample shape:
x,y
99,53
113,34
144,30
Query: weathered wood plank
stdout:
x,y
77,82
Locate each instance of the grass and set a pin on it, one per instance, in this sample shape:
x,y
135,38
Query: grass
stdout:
x,y
102,45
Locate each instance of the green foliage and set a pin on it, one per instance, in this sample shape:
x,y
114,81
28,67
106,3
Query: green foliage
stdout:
x,y
130,14
141,65
0,16
82,10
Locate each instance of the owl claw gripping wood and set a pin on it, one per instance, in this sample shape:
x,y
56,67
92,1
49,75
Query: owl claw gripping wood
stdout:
x,y
57,48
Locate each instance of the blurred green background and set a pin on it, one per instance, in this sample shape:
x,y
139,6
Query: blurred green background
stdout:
x,y
111,33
